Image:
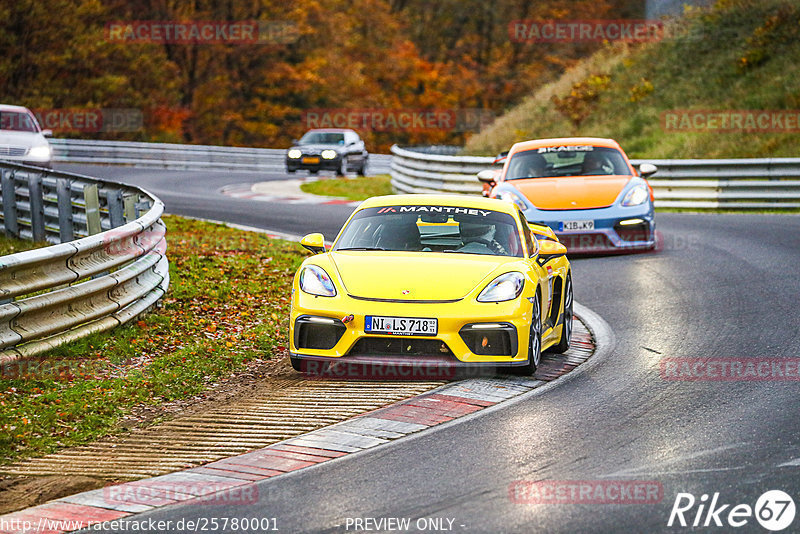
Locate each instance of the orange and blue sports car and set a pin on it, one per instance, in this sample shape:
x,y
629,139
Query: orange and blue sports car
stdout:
x,y
584,188
447,281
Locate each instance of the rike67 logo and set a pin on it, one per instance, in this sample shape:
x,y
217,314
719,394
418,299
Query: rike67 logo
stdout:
x,y
774,510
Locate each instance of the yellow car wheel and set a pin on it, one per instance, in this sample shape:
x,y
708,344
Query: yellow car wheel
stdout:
x,y
566,332
535,342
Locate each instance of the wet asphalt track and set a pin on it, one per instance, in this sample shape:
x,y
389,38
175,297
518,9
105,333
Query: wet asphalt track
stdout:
x,y
196,194
724,286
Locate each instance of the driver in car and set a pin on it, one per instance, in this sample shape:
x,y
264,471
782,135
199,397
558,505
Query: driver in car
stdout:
x,y
528,166
595,164
478,238
399,233
537,166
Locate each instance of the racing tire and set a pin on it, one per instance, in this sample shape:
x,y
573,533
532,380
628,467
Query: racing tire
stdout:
x,y
535,342
566,331
291,171
362,171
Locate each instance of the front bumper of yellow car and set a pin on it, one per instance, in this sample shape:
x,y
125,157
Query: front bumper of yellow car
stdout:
x,y
470,333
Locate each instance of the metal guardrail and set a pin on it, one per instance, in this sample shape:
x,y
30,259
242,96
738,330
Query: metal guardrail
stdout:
x,y
182,157
757,183
108,266
768,183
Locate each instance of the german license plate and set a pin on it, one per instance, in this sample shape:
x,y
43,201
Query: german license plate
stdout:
x,y
310,160
400,326
576,225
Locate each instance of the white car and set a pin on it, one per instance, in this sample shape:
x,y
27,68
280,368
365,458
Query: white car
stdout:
x,y
21,138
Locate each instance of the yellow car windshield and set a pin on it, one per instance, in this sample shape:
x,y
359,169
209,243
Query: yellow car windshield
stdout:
x,y
445,229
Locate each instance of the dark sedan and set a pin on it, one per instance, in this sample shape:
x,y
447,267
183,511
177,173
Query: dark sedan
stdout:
x,y
331,149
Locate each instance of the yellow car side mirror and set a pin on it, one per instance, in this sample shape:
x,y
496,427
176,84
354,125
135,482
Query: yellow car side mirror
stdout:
x,y
543,229
551,249
314,242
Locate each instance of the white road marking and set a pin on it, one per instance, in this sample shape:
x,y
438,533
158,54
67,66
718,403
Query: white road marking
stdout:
x,y
678,459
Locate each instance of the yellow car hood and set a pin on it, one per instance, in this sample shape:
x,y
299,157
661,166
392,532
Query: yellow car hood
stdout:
x,y
414,276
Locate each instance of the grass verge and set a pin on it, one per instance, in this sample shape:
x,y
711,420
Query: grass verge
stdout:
x,y
226,308
10,245
360,188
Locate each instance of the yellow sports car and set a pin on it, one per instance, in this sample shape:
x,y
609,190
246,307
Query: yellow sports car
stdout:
x,y
432,280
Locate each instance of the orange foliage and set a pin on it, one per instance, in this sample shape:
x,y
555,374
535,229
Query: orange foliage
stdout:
x,y
340,54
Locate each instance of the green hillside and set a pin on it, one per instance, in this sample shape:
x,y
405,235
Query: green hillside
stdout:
x,y
739,55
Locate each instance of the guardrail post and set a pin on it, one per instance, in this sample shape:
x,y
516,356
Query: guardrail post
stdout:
x,y
9,204
66,230
37,206
142,207
115,209
129,210
92,200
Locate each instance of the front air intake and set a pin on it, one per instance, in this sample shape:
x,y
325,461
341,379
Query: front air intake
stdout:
x,y
400,346
633,232
321,333
498,339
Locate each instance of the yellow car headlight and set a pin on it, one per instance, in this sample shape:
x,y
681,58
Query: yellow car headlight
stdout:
x,y
294,153
507,286
315,281
328,154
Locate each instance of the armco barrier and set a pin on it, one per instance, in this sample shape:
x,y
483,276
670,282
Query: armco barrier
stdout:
x,y
768,183
108,266
182,157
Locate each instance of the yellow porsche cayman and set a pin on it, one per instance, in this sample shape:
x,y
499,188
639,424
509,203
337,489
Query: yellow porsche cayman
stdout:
x,y
432,280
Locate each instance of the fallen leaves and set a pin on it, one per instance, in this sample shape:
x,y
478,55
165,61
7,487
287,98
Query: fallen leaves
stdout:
x,y
226,307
